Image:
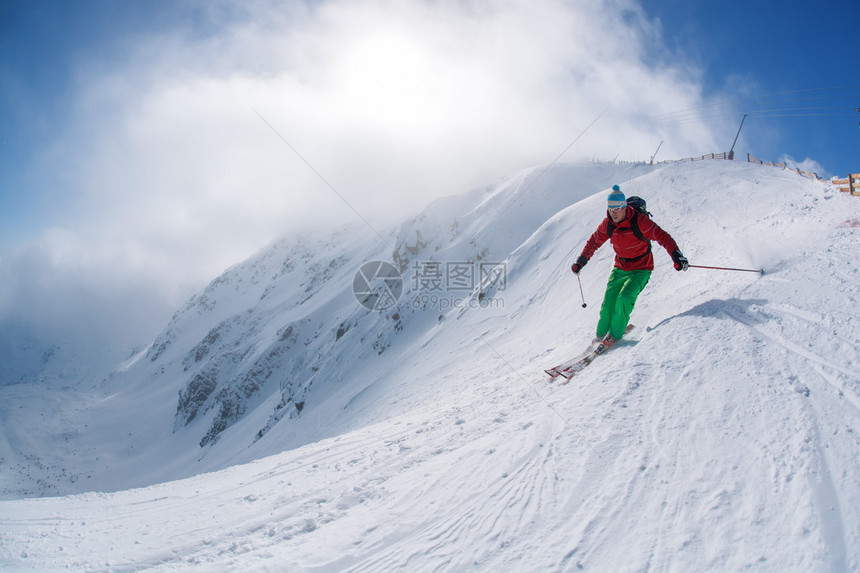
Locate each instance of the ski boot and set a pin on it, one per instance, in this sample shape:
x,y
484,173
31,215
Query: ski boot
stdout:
x,y
604,345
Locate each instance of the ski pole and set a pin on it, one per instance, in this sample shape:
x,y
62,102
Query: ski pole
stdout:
x,y
760,271
580,291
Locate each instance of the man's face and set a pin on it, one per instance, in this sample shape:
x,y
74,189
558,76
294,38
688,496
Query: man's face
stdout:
x,y
618,214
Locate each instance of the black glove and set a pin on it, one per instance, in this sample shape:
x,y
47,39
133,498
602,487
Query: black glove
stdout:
x,y
681,262
577,266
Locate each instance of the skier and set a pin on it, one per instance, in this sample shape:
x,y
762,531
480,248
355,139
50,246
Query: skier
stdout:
x,y
630,231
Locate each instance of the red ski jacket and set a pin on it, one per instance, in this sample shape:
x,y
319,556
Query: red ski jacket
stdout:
x,y
631,253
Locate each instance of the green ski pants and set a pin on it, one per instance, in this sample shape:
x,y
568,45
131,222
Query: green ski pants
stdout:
x,y
622,290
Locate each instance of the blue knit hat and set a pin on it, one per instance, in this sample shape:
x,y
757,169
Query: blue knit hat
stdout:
x,y
616,198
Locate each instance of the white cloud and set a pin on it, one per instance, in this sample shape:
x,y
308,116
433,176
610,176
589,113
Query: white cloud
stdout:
x,y
392,101
808,165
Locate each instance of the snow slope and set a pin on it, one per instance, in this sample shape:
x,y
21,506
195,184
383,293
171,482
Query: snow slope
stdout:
x,y
724,435
275,338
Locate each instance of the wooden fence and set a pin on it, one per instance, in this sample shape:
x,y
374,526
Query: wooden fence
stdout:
x,y
723,155
850,184
751,159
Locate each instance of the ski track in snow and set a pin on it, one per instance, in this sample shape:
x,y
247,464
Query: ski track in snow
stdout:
x,y
723,436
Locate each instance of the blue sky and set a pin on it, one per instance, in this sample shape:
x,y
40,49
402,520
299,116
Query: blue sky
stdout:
x,y
134,167
793,56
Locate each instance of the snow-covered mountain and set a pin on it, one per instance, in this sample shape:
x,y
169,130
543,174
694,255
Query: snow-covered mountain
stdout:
x,y
723,435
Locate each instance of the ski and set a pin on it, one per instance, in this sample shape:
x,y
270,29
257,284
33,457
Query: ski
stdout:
x,y
556,371
568,369
577,367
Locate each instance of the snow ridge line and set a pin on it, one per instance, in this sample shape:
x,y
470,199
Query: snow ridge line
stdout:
x,y
551,164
